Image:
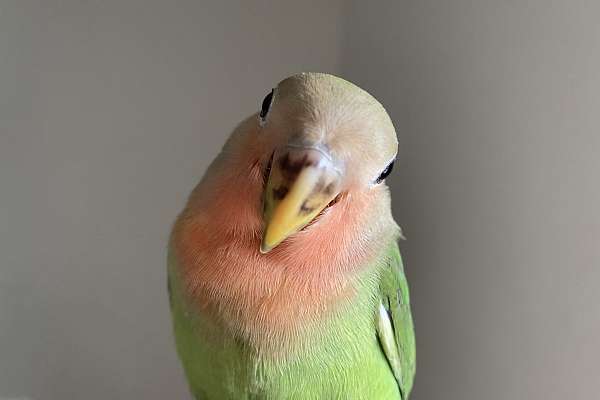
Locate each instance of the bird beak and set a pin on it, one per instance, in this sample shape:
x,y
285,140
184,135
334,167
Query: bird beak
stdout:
x,y
302,182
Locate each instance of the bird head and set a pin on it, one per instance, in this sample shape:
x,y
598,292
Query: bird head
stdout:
x,y
323,138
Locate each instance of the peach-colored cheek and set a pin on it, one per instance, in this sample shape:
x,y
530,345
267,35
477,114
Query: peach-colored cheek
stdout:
x,y
217,246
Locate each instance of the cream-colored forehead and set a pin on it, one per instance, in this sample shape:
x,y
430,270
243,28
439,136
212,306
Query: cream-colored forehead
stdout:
x,y
334,112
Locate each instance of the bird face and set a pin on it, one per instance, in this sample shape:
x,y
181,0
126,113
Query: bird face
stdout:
x,y
326,139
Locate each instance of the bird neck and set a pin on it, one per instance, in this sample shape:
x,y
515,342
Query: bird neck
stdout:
x,y
266,299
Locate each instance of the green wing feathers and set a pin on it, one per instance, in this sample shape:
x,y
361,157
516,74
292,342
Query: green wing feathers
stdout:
x,y
394,323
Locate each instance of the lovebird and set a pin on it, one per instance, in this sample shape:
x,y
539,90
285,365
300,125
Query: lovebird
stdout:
x,y
284,274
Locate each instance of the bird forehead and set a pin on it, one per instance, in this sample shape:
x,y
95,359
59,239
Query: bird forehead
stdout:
x,y
322,90
330,110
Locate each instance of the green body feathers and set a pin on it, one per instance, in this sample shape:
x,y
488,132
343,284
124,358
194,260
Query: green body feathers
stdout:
x,y
364,350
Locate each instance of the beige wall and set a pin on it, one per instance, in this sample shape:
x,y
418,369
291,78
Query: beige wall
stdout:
x,y
497,104
109,113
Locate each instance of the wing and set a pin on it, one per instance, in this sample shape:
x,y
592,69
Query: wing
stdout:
x,y
394,322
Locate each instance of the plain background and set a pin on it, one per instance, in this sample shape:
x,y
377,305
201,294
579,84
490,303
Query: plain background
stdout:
x,y
110,111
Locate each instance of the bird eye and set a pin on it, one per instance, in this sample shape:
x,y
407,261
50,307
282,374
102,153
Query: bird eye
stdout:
x,y
266,104
386,172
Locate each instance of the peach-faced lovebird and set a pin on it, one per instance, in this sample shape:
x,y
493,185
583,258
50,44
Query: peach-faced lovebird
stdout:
x,y
285,277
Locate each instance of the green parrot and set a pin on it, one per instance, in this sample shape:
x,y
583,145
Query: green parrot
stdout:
x,y
285,278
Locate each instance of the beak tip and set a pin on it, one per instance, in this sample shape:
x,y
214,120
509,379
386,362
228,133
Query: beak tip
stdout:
x,y
264,248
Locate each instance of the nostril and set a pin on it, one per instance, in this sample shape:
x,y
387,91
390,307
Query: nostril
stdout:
x,y
291,166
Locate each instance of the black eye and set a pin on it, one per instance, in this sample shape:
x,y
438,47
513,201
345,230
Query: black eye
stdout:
x,y
266,104
386,172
